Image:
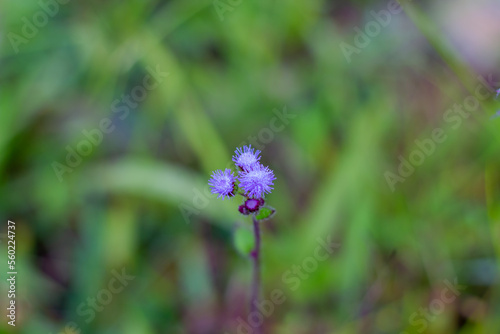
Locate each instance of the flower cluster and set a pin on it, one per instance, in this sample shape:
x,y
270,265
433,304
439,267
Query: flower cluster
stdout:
x,y
254,179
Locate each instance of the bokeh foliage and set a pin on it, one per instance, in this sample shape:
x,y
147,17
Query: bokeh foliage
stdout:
x,y
124,205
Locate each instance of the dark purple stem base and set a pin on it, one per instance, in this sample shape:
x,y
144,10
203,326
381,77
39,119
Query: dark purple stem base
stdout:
x,y
254,299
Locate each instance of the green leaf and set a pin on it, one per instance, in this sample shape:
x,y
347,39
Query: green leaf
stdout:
x,y
265,212
244,240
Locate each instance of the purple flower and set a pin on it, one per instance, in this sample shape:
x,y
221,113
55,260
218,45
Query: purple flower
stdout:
x,y
245,157
223,183
257,180
498,93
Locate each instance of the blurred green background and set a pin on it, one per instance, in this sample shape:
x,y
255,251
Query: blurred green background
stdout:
x,y
177,86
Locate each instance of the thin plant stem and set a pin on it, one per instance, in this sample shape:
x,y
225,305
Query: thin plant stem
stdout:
x,y
256,271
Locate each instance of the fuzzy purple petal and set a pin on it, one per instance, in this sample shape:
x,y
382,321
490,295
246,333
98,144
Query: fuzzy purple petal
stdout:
x,y
223,183
246,157
257,180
